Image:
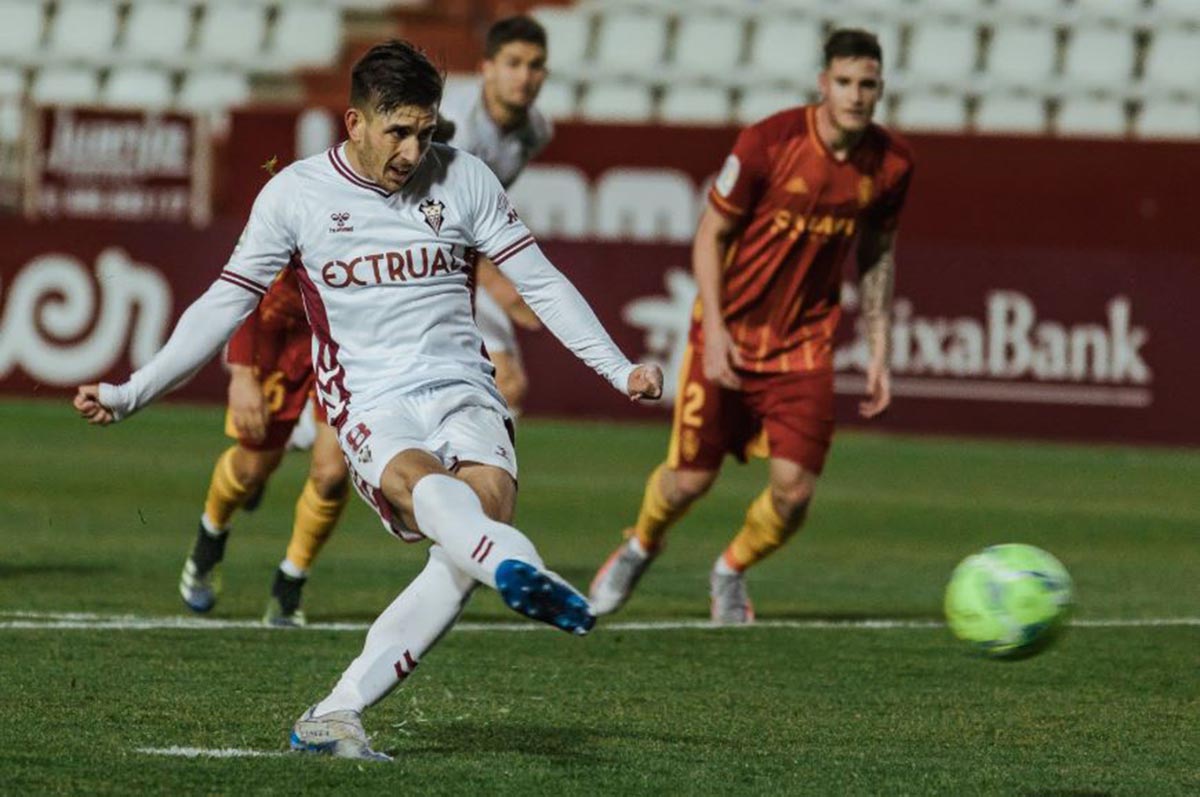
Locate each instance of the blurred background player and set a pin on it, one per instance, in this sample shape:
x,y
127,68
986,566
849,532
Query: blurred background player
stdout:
x,y
271,379
787,207
500,125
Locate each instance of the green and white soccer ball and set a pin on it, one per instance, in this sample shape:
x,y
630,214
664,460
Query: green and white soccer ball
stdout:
x,y
1009,601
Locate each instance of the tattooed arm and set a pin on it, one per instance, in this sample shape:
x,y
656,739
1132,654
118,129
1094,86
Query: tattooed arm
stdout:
x,y
877,273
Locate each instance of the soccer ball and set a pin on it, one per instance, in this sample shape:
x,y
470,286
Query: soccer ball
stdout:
x,y
1008,601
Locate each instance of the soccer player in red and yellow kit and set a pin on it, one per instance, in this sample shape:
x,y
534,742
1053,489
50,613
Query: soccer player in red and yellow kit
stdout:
x,y
270,360
800,189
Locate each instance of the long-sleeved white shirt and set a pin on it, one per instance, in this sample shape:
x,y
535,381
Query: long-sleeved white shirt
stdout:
x,y
386,280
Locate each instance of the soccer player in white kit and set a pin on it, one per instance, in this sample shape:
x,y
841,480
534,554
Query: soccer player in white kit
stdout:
x,y
499,124
383,232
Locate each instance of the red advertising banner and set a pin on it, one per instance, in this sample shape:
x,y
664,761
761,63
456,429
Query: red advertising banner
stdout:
x,y
1033,341
1043,285
117,166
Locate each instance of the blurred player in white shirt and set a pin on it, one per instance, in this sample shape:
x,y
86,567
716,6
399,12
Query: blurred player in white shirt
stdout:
x,y
499,124
383,233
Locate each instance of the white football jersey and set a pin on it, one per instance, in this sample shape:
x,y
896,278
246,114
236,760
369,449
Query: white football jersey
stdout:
x,y
506,152
387,278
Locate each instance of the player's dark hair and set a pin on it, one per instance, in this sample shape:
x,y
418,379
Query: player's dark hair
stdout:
x,y
393,74
852,43
514,29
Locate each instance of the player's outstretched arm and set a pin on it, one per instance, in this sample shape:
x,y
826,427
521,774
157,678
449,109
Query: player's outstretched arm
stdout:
x,y
202,330
568,316
877,277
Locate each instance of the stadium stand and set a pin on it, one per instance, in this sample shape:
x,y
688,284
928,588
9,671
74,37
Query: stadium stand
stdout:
x,y
1110,67
1010,113
138,87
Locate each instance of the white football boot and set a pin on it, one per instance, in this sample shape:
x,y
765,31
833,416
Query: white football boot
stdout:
x,y
730,601
338,733
616,578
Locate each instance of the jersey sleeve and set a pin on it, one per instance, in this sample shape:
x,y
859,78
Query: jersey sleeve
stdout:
x,y
743,177
269,240
497,230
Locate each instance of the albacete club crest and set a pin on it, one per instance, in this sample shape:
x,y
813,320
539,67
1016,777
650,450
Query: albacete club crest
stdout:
x,y
433,211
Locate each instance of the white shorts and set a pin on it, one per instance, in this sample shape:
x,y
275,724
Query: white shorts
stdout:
x,y
455,422
494,325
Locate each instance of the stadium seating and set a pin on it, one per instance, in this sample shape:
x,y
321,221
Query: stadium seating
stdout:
x,y
1099,57
24,24
231,32
65,85
212,90
12,82
557,99
707,46
928,112
683,104
1021,55
942,53
305,34
1086,116
1010,113
83,29
630,44
616,102
783,50
157,30
1173,62
138,87
568,34
1168,119
759,103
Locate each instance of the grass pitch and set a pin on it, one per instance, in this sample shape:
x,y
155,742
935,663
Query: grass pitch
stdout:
x,y
99,521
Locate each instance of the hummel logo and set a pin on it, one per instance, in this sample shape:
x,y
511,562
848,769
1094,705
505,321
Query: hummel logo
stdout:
x,y
502,451
340,219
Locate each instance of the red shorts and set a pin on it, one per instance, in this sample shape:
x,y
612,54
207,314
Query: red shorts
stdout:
x,y
286,389
786,416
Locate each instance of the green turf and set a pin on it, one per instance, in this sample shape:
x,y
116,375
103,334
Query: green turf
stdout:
x,y
99,521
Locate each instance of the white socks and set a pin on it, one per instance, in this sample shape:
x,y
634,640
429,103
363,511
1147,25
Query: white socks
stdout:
x,y
449,513
721,567
468,545
400,636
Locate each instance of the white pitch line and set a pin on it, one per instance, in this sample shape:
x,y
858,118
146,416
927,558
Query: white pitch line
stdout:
x,y
202,752
84,621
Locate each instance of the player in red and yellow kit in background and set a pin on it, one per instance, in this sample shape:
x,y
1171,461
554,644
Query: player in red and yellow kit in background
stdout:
x,y
800,188
270,360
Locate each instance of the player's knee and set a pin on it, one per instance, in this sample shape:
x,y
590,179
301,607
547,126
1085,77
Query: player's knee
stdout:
x,y
681,487
330,479
791,501
253,468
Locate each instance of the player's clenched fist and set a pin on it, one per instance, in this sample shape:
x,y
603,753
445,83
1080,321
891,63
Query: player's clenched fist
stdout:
x,y
646,382
87,403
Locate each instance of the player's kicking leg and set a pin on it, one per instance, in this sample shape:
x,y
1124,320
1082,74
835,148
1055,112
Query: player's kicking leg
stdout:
x,y
239,473
668,496
317,511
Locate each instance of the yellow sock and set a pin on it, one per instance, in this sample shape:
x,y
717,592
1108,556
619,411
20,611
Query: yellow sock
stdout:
x,y
315,519
225,492
762,534
656,515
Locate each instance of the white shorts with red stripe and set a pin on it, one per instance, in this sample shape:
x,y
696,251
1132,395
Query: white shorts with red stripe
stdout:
x,y
455,422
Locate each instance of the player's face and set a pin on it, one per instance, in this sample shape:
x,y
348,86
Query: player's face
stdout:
x,y
514,75
850,89
390,146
